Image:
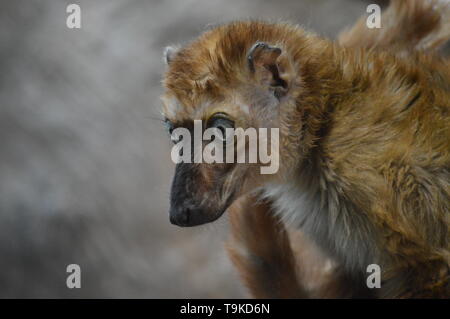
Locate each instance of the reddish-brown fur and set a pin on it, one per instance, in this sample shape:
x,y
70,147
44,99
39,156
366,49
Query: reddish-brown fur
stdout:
x,y
366,121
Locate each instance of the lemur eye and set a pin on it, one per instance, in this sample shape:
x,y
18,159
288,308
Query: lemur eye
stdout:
x,y
168,125
221,121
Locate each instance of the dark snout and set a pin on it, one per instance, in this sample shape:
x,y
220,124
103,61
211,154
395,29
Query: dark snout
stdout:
x,y
179,216
188,204
188,217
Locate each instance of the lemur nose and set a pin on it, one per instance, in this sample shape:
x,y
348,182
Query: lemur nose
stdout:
x,y
180,216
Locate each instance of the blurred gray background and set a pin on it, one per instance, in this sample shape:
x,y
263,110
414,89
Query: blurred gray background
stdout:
x,y
85,165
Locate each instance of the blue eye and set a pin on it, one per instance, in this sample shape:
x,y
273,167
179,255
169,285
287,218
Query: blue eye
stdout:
x,y
221,122
168,125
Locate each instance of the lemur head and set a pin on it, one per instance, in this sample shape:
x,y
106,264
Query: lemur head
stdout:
x,y
234,76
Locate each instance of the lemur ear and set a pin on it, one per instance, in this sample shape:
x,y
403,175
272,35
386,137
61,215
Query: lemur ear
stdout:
x,y
169,54
262,62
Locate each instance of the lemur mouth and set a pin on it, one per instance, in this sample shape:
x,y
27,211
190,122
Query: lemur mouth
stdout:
x,y
194,217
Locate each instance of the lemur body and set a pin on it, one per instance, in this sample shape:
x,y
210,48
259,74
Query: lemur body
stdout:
x,y
364,151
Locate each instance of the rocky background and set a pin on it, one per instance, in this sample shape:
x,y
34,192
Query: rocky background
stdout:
x,y
85,163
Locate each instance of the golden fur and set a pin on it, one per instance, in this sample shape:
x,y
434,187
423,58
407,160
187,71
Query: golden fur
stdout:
x,y
365,135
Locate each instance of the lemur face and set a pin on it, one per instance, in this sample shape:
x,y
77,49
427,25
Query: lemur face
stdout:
x,y
212,84
202,190
204,187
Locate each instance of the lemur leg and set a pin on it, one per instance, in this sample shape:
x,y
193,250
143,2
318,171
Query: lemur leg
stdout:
x,y
405,26
261,251
405,282
278,263
417,234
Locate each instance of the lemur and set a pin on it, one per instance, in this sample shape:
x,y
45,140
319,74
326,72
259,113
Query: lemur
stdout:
x,y
364,152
